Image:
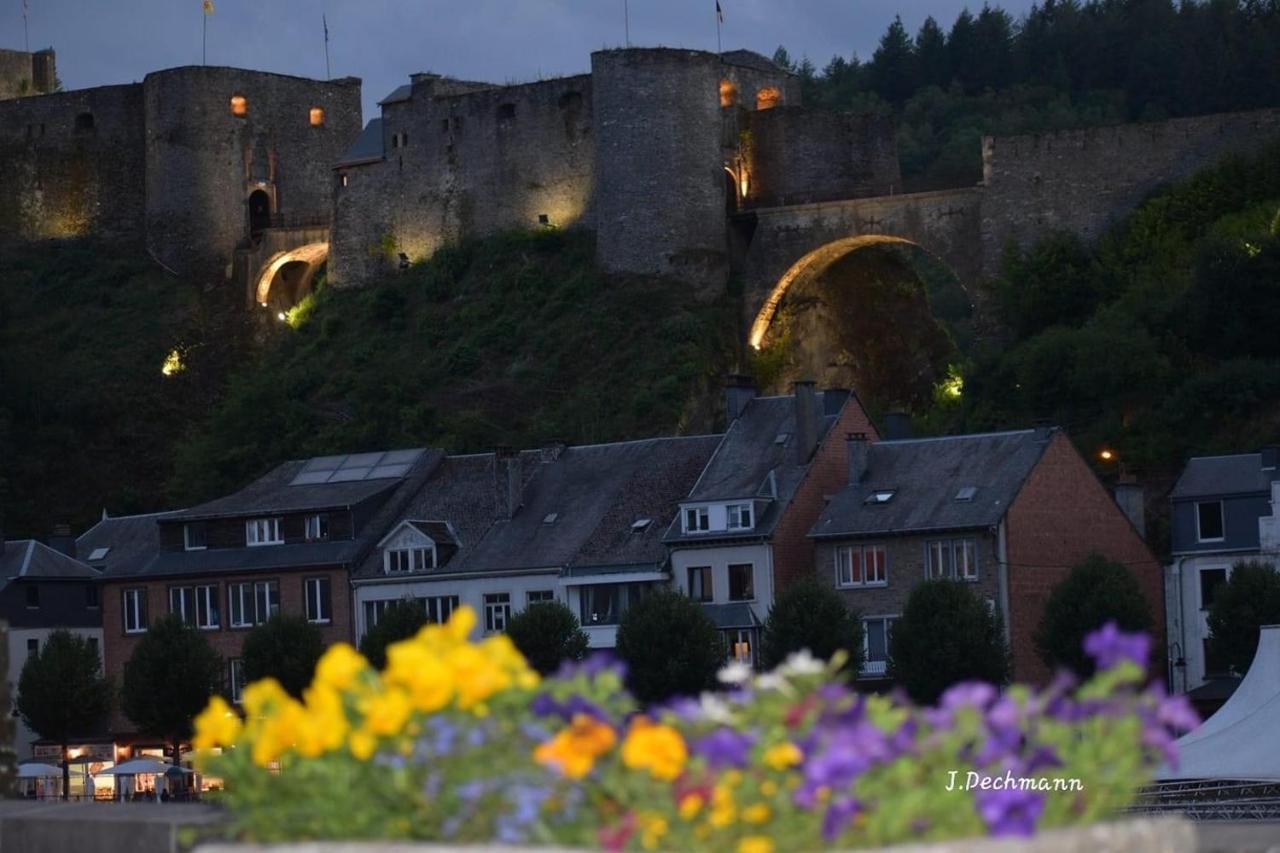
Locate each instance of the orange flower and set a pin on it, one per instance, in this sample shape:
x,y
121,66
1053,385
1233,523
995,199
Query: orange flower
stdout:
x,y
574,750
657,748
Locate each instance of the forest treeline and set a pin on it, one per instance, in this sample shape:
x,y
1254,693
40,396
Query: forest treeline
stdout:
x,y
1064,64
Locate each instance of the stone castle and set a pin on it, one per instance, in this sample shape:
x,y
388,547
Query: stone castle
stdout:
x,y
683,163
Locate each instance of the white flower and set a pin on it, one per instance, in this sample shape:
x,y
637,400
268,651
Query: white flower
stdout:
x,y
734,673
775,680
802,663
715,709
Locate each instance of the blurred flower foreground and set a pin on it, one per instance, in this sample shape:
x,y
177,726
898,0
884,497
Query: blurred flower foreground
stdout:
x,y
461,741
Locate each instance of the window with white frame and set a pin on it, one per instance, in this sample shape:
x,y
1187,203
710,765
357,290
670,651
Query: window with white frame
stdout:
x,y
263,531
197,606
700,585
606,603
862,565
952,558
738,645
697,519
497,611
373,611
316,527
539,596
439,607
252,603
134,603
404,560
742,582
1209,522
740,516
318,604
193,536
877,633
236,679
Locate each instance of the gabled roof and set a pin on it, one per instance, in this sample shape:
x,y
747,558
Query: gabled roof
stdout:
x,y
29,558
368,145
400,93
1218,476
760,442
439,532
131,541
751,59
926,475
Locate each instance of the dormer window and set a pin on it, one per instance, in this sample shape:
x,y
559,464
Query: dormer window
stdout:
x,y
316,527
193,536
740,516
401,561
263,531
697,520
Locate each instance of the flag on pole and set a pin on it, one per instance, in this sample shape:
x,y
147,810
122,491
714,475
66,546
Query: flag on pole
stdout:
x,y
208,7
719,12
325,20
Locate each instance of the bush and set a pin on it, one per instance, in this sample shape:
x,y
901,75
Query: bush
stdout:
x,y
947,634
170,676
399,621
814,617
1097,591
670,645
1248,600
547,634
285,648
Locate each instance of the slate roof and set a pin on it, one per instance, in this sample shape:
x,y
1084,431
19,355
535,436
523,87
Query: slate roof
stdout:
x,y
131,542
400,93
368,145
749,452
29,558
577,510
1212,476
438,531
926,474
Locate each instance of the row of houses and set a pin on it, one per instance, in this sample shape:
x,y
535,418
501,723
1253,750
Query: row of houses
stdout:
x,y
798,486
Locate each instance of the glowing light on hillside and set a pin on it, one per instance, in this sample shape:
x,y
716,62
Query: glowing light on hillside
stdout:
x,y
1106,455
173,364
953,385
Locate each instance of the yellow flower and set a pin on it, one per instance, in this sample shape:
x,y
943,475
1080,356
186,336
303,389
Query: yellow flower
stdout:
x,y
723,810
758,813
477,676
386,712
363,744
216,725
575,749
340,666
756,844
263,697
411,664
783,755
690,805
656,747
277,731
460,624
768,787
325,726
652,827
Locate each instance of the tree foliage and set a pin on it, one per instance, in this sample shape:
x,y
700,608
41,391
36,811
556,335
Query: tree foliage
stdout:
x,y
1096,591
946,634
399,621
670,645
62,692
168,680
547,633
808,615
1248,600
285,648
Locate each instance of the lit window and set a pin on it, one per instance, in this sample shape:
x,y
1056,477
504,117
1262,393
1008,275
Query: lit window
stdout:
x,y
317,527
742,582
239,105
739,516
539,596
497,612
197,606
252,603
193,536
317,116
696,520
739,645
1209,527
403,560
344,179
768,98
728,93
135,611
319,606
237,680
700,587
263,531
862,565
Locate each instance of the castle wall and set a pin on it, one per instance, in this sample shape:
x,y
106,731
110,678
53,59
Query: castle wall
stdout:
x,y
202,162
660,200
466,163
73,164
23,74
800,156
1086,180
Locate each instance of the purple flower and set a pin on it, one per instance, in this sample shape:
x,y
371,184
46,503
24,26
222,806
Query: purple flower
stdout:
x,y
546,705
1004,722
1177,713
837,756
1009,811
593,665
976,694
839,815
526,801
1040,758
725,748
1108,646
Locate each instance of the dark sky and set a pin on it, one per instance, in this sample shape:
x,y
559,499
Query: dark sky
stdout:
x,y
383,41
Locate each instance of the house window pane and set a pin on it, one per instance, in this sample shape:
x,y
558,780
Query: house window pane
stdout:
x,y
600,604
875,563
317,527
207,615
539,596
497,611
965,559
700,588
1209,517
938,556
741,582
135,610
236,680
877,646
319,607
1210,581
194,535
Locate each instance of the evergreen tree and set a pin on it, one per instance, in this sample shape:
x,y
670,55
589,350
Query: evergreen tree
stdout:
x,y
1248,600
670,645
1096,591
547,634
946,634
811,616
285,648
932,64
964,52
62,692
893,65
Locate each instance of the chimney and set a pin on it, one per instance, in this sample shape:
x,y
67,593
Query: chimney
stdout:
x,y
806,403
506,482
859,449
738,391
62,540
1270,455
1131,499
897,426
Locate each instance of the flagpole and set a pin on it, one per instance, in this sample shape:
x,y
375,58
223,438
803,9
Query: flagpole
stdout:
x,y
26,36
719,21
626,22
328,75
204,39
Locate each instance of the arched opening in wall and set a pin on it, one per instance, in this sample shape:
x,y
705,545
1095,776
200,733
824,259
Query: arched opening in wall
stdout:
x,y
730,191
768,97
875,313
259,212
728,93
287,278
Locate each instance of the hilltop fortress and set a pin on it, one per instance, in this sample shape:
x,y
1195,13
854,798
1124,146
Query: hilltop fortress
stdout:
x,y
684,163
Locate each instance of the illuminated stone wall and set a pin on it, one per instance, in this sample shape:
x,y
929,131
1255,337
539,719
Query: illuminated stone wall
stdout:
x,y
23,74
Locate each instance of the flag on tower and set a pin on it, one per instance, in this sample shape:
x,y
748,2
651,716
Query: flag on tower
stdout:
x,y
208,7
719,12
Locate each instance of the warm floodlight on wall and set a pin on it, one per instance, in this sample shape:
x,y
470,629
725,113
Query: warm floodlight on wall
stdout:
x,y
544,220
239,105
317,116
404,262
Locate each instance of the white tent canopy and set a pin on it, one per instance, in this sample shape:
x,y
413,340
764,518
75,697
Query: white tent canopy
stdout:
x,y
1239,742
36,770
139,766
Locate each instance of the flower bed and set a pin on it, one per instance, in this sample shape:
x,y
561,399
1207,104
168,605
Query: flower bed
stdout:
x,y
459,741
